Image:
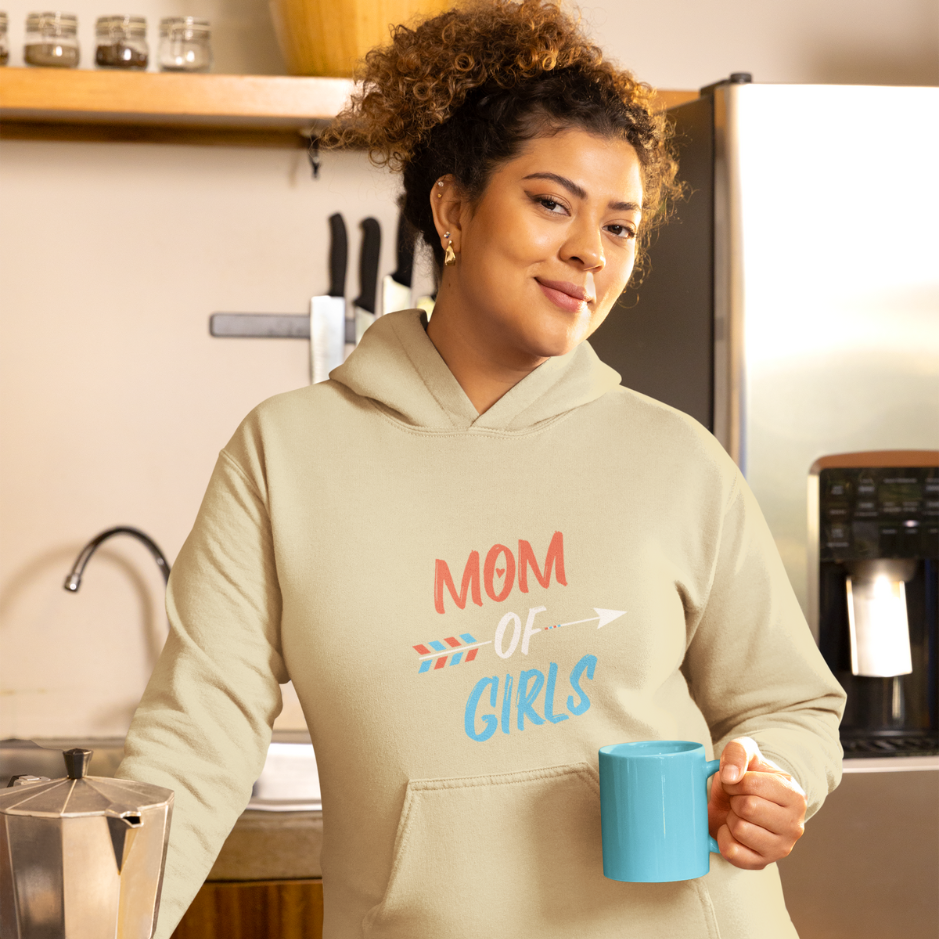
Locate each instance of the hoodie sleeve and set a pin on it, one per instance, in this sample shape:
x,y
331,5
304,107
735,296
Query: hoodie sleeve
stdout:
x,y
752,664
204,723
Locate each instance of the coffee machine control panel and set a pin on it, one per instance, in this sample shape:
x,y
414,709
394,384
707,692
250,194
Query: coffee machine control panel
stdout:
x,y
879,512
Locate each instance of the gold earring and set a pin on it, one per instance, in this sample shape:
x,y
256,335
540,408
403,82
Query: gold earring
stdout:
x,y
440,185
449,257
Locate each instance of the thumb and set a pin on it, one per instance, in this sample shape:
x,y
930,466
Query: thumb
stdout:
x,y
736,758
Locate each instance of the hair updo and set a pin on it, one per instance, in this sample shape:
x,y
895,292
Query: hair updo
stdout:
x,y
462,92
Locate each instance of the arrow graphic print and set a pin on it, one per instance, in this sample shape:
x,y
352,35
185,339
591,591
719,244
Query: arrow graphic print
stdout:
x,y
436,654
603,616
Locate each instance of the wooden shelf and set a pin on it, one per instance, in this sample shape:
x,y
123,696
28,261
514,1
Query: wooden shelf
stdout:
x,y
46,103
162,107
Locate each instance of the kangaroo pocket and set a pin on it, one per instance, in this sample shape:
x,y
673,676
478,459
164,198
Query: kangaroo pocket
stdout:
x,y
518,855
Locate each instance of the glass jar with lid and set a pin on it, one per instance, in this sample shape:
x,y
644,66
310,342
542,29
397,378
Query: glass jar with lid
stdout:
x,y
184,44
4,42
121,42
52,40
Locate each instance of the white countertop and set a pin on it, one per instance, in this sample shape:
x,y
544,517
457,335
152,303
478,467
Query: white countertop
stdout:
x,y
890,764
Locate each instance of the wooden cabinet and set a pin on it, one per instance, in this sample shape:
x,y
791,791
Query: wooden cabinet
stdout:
x,y
269,909
266,882
868,864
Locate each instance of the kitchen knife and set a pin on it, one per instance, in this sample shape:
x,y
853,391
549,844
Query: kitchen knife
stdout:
x,y
396,287
328,313
363,312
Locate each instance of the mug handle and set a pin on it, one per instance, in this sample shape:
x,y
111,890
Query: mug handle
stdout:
x,y
710,768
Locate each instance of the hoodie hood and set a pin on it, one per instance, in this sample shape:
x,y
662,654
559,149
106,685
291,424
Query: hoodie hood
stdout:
x,y
397,366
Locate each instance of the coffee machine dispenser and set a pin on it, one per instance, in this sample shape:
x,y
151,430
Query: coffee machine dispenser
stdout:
x,y
874,586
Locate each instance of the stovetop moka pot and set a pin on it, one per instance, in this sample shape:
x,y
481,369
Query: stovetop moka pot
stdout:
x,y
81,857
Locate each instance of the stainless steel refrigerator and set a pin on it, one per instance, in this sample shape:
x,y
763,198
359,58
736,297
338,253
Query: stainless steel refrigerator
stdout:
x,y
792,307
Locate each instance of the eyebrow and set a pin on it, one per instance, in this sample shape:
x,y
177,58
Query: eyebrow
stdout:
x,y
581,193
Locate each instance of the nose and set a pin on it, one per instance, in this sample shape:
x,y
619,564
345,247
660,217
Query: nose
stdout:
x,y
584,247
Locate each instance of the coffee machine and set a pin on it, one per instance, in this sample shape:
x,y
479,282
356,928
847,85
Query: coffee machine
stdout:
x,y
874,594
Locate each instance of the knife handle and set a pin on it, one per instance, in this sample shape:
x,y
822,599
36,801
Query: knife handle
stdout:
x,y
368,264
404,251
338,255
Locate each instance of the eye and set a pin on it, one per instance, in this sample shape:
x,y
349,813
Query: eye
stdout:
x,y
551,204
622,231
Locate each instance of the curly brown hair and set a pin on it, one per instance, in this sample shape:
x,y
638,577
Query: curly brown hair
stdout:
x,y
460,93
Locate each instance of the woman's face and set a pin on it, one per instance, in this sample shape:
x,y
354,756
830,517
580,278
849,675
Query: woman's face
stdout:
x,y
547,250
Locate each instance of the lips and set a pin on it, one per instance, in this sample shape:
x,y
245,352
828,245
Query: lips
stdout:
x,y
564,294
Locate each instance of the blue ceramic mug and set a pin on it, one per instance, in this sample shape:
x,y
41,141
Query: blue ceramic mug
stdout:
x,y
653,811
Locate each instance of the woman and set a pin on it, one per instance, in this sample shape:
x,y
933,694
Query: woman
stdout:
x,y
404,540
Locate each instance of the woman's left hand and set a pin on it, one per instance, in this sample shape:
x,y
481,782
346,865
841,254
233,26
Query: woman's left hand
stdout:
x,y
756,809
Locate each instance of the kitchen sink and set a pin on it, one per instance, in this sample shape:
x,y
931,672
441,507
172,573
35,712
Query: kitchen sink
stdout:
x,y
26,757
288,782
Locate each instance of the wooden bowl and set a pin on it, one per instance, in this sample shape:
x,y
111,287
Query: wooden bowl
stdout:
x,y
328,37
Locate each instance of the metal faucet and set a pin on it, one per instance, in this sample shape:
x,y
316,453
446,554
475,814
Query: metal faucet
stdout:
x,y
74,579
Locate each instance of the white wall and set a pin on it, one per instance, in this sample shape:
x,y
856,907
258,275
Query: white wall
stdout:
x,y
691,43
114,400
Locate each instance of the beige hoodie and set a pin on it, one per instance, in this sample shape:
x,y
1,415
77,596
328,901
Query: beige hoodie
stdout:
x,y
470,606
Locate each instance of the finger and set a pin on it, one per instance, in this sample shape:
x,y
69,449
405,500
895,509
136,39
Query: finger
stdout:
x,y
739,854
718,808
736,757
767,845
780,788
718,805
784,822
751,847
758,839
